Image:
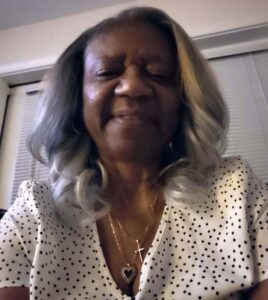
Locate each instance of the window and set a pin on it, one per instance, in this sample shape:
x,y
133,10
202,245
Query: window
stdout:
x,y
244,83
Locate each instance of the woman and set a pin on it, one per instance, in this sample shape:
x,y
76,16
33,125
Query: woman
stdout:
x,y
139,203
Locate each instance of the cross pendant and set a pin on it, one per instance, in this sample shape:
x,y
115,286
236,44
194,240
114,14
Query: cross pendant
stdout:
x,y
139,250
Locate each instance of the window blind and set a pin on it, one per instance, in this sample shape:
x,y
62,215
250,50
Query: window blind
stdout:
x,y
16,162
26,166
242,81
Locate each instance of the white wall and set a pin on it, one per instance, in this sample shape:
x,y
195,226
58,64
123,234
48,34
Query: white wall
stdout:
x,y
36,46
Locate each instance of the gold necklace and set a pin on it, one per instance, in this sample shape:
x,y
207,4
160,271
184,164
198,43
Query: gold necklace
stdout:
x,y
139,242
129,271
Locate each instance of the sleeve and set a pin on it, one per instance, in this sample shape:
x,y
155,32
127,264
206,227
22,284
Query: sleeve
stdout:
x,y
257,215
15,263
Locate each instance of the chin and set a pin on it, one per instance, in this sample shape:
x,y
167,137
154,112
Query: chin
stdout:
x,y
133,154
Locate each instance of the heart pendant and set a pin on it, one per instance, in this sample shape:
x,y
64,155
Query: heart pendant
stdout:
x,y
128,273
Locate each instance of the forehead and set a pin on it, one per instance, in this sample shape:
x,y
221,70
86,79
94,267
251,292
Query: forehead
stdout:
x,y
134,38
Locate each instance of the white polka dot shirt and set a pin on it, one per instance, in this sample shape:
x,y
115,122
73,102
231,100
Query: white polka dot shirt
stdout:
x,y
213,249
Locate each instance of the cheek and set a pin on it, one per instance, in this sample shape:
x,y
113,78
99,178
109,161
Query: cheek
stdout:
x,y
91,93
90,107
171,113
171,106
95,108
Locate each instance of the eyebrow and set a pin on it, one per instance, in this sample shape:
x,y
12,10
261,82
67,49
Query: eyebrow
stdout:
x,y
151,58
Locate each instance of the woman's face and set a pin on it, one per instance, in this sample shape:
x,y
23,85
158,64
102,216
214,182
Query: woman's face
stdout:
x,y
131,92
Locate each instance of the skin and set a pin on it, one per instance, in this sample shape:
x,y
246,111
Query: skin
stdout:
x,y
130,95
131,107
14,293
259,292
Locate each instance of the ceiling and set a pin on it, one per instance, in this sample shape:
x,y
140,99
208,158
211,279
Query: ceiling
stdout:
x,y
22,12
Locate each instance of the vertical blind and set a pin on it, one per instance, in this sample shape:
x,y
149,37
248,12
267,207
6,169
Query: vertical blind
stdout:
x,y
26,166
243,81
16,163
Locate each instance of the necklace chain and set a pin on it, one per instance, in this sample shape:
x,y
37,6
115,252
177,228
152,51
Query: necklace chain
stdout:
x,y
129,271
126,232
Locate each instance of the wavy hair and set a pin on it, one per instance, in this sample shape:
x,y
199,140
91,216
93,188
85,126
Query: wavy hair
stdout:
x,y
71,155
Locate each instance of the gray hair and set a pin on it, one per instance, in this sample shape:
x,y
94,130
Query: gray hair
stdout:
x,y
71,154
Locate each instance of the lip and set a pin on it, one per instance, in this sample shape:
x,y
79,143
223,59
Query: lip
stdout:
x,y
131,116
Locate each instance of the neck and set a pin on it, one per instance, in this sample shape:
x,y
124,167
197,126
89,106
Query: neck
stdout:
x,y
131,188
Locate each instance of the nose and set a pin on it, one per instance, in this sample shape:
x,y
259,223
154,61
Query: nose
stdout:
x,y
132,84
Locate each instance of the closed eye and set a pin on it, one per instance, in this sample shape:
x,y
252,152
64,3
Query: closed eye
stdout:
x,y
160,77
107,73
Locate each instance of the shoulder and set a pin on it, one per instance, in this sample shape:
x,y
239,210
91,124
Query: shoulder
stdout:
x,y
33,186
33,210
234,179
34,192
34,197
233,171
232,165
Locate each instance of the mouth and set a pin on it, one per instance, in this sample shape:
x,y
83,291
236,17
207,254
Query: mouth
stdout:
x,y
131,117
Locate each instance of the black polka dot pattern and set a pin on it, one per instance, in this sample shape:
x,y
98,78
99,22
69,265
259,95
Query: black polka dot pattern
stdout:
x,y
210,249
